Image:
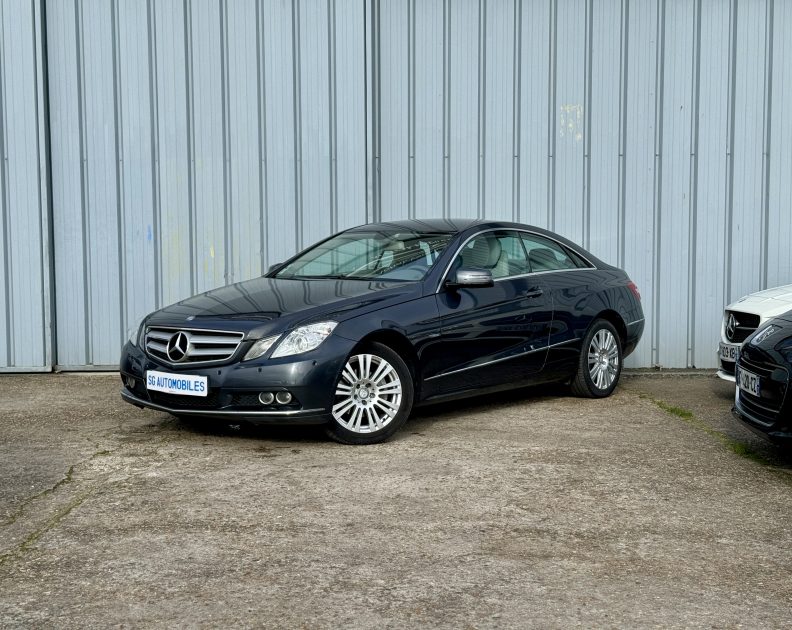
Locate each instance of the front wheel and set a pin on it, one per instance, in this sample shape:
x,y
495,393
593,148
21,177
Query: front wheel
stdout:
x,y
600,362
373,397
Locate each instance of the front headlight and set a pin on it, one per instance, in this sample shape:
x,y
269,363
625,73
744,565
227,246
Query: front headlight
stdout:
x,y
303,339
260,347
134,332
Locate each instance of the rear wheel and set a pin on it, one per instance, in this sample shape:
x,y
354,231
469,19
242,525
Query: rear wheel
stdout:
x,y
600,362
373,397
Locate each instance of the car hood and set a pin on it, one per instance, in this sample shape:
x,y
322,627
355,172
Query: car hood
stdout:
x,y
264,306
767,304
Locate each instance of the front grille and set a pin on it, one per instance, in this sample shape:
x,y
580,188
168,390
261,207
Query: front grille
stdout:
x,y
190,346
175,401
744,326
245,400
768,404
727,367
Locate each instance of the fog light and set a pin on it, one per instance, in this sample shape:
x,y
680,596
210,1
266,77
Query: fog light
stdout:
x,y
266,398
130,382
283,398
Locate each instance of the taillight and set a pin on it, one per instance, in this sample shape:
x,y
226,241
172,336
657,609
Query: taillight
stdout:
x,y
634,288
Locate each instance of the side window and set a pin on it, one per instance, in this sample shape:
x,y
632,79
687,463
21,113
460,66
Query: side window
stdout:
x,y
499,252
547,255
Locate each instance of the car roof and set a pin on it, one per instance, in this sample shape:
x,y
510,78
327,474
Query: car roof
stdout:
x,y
435,226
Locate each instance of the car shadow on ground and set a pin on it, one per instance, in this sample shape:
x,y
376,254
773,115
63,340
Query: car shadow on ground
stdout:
x,y
449,409
421,417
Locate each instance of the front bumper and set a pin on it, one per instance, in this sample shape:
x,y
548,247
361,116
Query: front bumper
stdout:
x,y
297,416
726,370
772,422
771,432
233,388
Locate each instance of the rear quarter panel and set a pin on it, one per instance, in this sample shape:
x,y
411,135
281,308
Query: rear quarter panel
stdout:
x,y
579,296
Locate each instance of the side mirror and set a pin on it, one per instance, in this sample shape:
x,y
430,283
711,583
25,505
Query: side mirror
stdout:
x,y
470,278
273,268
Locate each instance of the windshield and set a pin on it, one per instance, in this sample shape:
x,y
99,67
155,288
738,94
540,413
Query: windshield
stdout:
x,y
399,256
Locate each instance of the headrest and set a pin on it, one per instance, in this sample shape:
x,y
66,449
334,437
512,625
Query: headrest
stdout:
x,y
484,253
542,259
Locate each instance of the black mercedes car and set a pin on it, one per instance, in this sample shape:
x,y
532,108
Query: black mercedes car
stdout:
x,y
763,369
356,330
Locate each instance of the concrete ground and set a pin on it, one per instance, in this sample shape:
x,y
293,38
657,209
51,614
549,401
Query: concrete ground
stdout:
x,y
532,509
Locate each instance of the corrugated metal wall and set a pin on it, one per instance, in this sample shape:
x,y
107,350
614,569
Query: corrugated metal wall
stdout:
x,y
651,132
193,143
25,333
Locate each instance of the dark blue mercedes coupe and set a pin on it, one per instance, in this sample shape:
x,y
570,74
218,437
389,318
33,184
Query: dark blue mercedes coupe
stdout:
x,y
355,331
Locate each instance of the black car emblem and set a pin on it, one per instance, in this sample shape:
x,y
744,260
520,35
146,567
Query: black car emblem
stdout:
x,y
178,346
764,334
731,327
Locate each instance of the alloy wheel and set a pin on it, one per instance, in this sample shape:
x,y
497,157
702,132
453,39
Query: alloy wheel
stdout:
x,y
368,395
603,359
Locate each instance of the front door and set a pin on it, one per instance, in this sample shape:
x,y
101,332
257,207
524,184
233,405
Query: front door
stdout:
x,y
494,335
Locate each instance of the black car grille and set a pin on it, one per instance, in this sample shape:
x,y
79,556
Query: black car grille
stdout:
x,y
175,401
768,404
193,345
745,325
727,367
245,400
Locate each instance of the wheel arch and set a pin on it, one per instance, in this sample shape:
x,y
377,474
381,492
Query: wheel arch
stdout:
x,y
614,318
397,342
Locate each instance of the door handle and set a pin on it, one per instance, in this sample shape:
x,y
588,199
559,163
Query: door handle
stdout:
x,y
533,292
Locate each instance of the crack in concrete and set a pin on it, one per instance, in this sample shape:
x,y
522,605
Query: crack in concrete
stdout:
x,y
54,520
51,523
67,479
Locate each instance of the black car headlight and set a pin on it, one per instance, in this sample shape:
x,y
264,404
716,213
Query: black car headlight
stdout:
x,y
135,331
303,339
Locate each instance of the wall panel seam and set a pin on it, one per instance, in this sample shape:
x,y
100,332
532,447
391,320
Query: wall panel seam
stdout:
x,y
84,175
624,47
552,77
658,178
156,200
587,107
7,259
44,161
693,186
189,100
118,122
261,112
482,106
767,139
297,107
446,184
517,110
730,149
333,114
225,115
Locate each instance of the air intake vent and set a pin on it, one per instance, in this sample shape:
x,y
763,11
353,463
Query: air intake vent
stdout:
x,y
190,346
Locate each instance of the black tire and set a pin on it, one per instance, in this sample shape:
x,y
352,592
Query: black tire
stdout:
x,y
593,380
365,400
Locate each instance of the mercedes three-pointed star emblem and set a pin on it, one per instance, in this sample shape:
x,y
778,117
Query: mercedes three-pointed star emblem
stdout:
x,y
178,346
731,326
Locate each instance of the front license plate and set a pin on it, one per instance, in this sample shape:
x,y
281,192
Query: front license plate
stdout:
x,y
182,384
729,351
749,382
